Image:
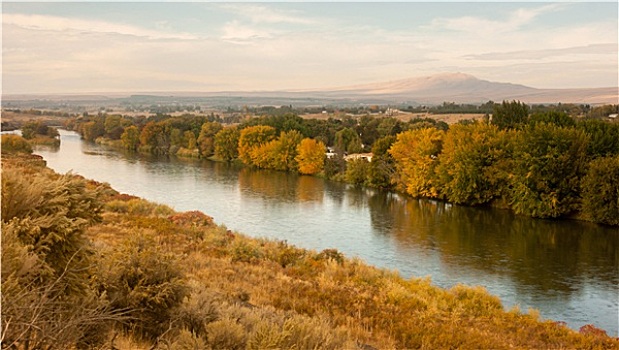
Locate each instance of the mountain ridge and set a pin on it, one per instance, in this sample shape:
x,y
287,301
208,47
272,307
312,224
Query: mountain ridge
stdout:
x,y
432,89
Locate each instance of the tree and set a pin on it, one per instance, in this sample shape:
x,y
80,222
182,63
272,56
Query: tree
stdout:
x,y
382,167
389,127
206,139
189,140
415,153
347,140
155,137
285,152
469,170
92,130
130,138
603,137
226,143
549,162
510,115
357,171
310,156
29,130
113,127
552,117
368,130
600,191
251,138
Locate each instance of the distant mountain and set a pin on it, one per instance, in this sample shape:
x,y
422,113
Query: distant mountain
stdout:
x,y
430,90
465,88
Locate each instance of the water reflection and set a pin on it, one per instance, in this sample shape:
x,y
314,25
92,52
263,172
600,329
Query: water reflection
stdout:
x,y
280,187
550,257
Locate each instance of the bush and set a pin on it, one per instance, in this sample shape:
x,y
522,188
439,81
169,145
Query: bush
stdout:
x,y
141,278
226,334
137,206
47,263
15,144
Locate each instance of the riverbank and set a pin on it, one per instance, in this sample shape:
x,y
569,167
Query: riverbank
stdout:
x,y
200,284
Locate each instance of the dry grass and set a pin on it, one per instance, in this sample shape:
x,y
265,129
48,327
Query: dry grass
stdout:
x,y
249,293
363,304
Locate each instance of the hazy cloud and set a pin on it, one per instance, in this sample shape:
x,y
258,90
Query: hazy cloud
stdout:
x,y
63,24
263,14
594,49
514,21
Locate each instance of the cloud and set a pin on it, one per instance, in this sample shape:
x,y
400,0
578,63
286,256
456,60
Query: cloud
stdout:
x,y
516,20
593,49
64,24
238,33
264,14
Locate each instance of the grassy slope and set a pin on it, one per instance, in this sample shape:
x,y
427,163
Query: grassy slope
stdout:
x,y
370,305
256,293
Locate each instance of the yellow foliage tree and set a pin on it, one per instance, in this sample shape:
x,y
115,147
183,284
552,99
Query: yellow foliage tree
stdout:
x,y
310,156
252,138
415,153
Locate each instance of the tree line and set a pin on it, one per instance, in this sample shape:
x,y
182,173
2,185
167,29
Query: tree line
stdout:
x,y
538,162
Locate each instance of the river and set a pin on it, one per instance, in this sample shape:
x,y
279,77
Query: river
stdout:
x,y
567,270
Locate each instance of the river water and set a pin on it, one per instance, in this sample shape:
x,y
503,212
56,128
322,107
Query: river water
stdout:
x,y
567,270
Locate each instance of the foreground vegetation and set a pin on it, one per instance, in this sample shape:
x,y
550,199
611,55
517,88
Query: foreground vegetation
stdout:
x,y
86,267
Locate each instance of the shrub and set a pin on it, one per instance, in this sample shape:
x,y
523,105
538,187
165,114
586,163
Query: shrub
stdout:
x,y
47,263
226,334
141,278
15,144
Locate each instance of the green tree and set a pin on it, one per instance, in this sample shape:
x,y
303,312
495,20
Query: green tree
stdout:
x,y
469,169
382,167
510,115
552,117
549,162
357,171
415,153
226,143
600,191
603,137
389,127
29,130
310,156
347,140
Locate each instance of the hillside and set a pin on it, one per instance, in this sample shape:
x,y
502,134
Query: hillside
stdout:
x,y
109,270
464,88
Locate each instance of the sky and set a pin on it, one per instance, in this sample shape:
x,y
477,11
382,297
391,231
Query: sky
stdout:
x,y
86,47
